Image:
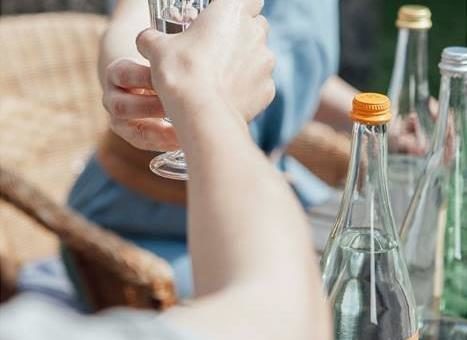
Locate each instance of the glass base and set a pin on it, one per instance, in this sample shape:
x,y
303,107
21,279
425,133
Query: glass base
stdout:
x,y
171,165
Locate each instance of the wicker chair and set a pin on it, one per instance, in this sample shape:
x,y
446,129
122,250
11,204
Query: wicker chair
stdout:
x,y
51,117
114,271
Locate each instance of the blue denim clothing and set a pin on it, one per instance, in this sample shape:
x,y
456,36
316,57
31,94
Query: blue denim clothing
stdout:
x,y
157,227
304,37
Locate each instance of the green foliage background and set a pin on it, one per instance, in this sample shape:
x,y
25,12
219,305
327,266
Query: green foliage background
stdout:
x,y
449,28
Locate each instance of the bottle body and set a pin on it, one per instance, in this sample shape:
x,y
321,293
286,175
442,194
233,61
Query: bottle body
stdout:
x,y
363,268
369,297
424,225
412,125
434,226
454,297
423,244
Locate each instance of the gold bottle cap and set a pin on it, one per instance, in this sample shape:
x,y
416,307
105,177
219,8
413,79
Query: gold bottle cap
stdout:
x,y
371,109
414,17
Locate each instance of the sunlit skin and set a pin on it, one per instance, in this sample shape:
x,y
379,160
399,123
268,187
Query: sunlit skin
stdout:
x,y
236,267
136,112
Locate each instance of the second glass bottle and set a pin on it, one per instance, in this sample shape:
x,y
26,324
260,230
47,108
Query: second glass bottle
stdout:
x,y
363,268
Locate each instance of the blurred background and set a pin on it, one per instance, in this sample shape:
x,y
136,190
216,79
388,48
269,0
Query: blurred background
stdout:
x,y
449,28
48,71
369,38
367,29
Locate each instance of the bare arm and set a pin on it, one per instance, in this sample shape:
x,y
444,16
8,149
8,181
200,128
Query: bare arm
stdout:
x,y
253,262
334,108
129,18
256,275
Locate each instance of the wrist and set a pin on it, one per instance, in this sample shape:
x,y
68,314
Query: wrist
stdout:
x,y
206,119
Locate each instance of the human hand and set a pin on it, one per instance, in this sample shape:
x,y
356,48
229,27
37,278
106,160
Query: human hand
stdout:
x,y
136,113
406,134
223,55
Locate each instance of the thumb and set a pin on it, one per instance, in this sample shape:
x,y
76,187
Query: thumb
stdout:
x,y
149,42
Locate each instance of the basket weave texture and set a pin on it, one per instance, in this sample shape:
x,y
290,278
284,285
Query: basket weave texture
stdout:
x,y
50,111
50,119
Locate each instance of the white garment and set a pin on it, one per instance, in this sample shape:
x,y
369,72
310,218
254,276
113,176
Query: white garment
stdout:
x,y
30,317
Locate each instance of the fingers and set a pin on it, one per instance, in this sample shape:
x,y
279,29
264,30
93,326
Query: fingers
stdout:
x,y
262,22
259,29
147,134
253,7
149,43
269,62
125,105
128,74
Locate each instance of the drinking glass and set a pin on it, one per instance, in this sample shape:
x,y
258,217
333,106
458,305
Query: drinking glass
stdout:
x,y
173,16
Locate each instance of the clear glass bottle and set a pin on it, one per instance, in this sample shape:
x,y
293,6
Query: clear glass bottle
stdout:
x,y
363,268
454,296
411,128
423,229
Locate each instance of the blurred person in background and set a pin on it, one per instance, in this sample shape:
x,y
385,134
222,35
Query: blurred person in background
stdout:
x,y
117,191
244,287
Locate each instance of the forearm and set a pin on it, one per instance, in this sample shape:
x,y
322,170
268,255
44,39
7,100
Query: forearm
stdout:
x,y
245,196
129,18
249,238
335,104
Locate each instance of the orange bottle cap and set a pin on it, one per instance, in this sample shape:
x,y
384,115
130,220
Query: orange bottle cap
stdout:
x,y
371,109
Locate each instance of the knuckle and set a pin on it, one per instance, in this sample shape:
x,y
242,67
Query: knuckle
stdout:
x,y
139,132
271,61
146,109
262,35
118,108
263,22
133,132
270,91
173,70
144,137
260,4
121,74
261,29
144,77
185,60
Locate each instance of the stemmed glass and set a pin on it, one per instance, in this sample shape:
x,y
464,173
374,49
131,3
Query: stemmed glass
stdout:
x,y
173,16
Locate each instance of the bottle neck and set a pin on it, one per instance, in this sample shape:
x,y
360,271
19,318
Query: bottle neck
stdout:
x,y
452,108
366,200
448,140
409,89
